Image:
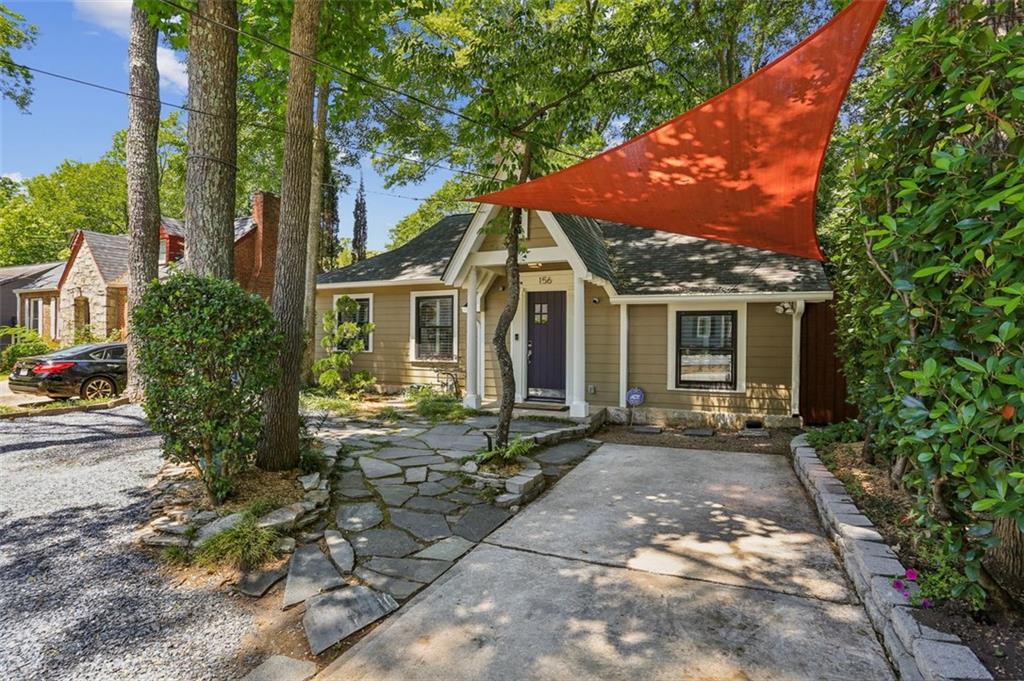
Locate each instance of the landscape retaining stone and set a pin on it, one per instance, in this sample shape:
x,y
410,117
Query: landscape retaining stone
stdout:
x,y
919,653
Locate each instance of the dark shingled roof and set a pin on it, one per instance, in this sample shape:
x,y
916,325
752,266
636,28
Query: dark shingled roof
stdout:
x,y
110,251
13,273
652,262
177,227
48,279
586,237
635,260
425,255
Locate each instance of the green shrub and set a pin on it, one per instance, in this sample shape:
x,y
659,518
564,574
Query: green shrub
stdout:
x,y
245,546
209,350
342,341
442,408
929,253
845,432
84,335
24,343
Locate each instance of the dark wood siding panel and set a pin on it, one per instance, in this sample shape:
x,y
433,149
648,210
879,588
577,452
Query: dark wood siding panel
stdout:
x,y
822,384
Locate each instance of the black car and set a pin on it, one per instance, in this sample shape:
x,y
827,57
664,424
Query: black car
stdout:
x,y
91,372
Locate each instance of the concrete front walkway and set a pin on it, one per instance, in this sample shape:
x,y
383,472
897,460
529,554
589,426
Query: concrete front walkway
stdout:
x,y
642,563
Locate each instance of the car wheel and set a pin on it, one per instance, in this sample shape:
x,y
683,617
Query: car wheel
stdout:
x,y
98,388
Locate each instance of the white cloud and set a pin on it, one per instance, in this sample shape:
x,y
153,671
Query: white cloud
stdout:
x,y
116,16
16,176
173,72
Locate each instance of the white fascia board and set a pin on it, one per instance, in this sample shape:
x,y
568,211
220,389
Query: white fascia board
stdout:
x,y
378,282
467,245
766,297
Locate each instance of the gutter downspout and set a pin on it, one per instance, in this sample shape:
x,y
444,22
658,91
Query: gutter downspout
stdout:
x,y
794,393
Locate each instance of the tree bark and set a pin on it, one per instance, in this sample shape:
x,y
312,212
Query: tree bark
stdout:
x,y
143,177
212,140
313,236
279,448
508,313
1006,562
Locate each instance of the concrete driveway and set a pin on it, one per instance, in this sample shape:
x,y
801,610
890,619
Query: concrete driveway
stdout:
x,y
642,563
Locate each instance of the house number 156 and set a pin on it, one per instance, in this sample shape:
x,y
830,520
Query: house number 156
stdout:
x,y
543,279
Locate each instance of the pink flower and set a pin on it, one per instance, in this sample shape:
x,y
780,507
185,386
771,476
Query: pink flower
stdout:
x,y
897,584
911,574
906,595
925,603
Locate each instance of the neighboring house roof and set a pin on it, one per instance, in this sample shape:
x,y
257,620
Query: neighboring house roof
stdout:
x,y
422,257
47,281
634,260
110,251
15,272
176,227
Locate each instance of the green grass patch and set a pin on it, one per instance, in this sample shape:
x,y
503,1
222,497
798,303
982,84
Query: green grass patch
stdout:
x,y
316,400
389,414
175,555
246,545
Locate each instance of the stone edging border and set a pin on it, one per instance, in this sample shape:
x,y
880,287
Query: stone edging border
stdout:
x,y
29,413
918,652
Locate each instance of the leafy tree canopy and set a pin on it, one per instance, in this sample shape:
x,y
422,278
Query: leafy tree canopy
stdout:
x,y
15,33
36,224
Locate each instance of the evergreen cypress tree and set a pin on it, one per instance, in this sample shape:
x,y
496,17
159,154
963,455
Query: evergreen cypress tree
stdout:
x,y
359,228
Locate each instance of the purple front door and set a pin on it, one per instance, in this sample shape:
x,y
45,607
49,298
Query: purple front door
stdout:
x,y
545,348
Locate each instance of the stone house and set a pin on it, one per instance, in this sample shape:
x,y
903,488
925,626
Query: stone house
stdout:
x,y
90,291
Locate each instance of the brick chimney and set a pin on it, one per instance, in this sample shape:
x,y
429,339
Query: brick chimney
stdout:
x,y
266,212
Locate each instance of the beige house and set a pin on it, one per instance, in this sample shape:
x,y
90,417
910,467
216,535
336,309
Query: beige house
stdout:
x,y
709,332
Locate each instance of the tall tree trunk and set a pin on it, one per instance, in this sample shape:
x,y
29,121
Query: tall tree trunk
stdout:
x,y
508,313
212,140
313,236
143,177
279,448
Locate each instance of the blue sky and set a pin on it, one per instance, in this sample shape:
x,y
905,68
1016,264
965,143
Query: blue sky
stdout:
x,y
87,39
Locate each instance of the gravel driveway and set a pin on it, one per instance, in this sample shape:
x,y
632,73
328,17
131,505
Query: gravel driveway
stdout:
x,y
77,599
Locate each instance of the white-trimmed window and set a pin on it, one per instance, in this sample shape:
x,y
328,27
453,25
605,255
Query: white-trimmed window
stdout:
x,y
34,315
707,347
434,326
362,315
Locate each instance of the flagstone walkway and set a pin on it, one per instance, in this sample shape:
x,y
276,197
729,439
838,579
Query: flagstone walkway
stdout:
x,y
404,510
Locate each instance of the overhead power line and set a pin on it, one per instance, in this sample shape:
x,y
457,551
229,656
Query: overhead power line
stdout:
x,y
373,83
241,121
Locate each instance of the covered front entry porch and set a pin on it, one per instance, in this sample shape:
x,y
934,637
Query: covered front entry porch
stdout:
x,y
547,338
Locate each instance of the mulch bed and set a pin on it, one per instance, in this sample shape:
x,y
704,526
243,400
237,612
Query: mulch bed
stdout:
x,y
998,644
776,443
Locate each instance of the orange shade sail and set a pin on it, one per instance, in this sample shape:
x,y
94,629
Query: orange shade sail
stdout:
x,y
742,167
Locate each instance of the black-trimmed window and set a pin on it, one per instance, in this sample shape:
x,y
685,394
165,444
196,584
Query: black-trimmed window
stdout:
x,y
435,327
360,316
706,350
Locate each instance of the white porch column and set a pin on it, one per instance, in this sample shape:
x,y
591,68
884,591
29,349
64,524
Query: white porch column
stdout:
x,y
623,353
472,399
578,405
794,383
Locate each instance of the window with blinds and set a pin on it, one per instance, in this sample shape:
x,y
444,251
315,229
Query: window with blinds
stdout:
x,y
706,350
435,327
